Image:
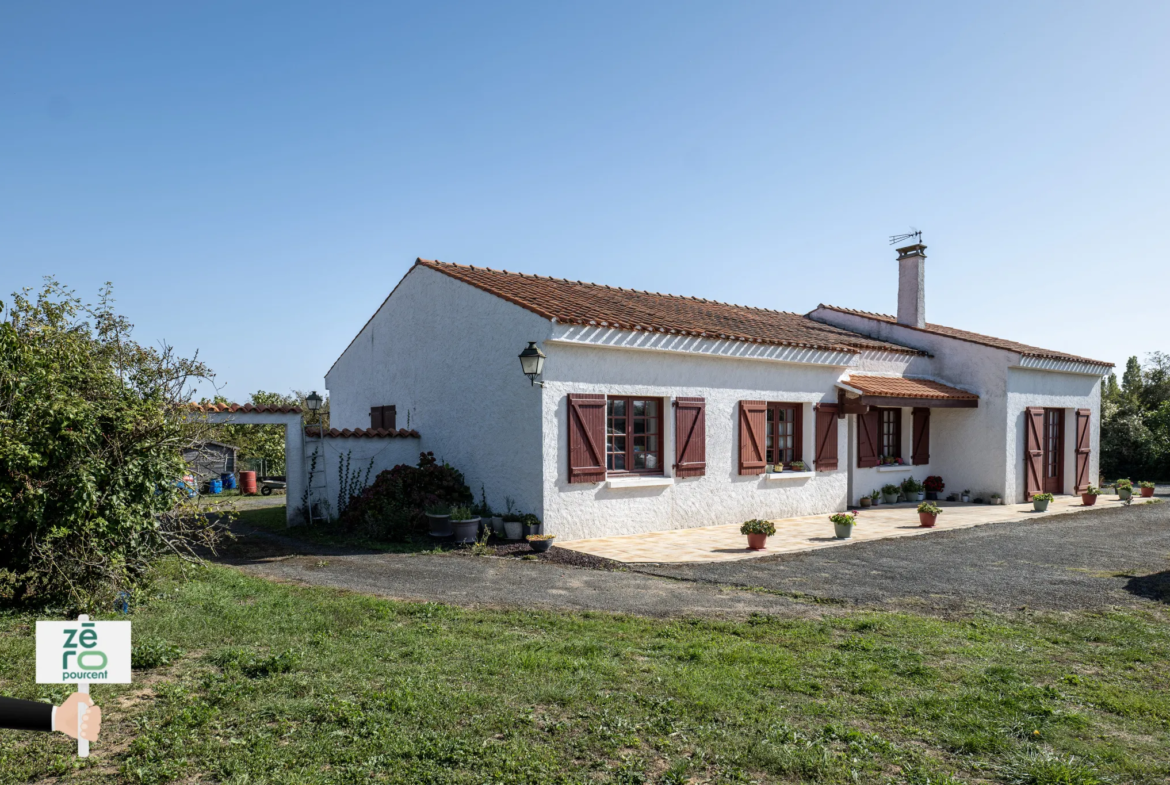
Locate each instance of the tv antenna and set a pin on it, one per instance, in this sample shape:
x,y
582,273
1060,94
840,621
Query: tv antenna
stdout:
x,y
915,233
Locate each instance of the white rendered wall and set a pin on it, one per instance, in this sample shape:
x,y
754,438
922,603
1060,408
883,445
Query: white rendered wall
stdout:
x,y
721,496
1065,391
445,354
874,477
380,453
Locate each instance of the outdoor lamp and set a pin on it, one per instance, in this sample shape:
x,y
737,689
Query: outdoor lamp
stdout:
x,y
313,401
532,361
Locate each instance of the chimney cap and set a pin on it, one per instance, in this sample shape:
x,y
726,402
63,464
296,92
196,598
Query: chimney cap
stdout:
x,y
918,249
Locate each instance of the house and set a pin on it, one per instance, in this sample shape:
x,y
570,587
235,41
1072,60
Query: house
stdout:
x,y
660,412
208,460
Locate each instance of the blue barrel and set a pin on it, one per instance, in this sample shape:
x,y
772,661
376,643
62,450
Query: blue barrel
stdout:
x,y
216,486
229,481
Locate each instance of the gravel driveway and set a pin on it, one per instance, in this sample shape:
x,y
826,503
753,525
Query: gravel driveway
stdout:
x,y
1090,560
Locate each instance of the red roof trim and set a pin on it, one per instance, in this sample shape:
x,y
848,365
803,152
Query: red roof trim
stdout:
x,y
364,433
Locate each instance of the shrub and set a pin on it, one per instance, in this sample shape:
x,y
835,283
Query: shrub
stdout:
x,y
757,526
405,492
930,508
1042,497
911,485
889,489
935,484
843,518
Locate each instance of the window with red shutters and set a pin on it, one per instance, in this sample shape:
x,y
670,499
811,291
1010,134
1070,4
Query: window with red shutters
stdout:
x,y
784,427
633,435
586,437
921,455
1033,451
1084,436
868,424
753,424
826,457
690,437
890,433
383,417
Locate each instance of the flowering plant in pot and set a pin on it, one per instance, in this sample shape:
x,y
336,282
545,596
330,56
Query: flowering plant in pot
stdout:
x,y
757,532
928,514
1147,489
890,493
540,542
843,523
934,485
798,466
464,524
439,516
1124,489
1040,501
1089,496
914,490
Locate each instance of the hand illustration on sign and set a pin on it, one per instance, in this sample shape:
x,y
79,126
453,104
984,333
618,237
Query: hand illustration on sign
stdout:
x,y
37,716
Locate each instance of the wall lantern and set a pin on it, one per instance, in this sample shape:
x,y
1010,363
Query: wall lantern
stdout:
x,y
532,361
313,401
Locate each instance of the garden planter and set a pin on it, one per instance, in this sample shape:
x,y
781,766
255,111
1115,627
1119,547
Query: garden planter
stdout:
x,y
866,501
1088,499
757,542
513,529
440,525
465,531
843,531
1125,493
932,496
920,496
889,498
965,498
530,529
1147,493
926,520
540,546
498,525
1040,505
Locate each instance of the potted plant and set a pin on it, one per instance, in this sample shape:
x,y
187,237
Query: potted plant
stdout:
x,y
928,514
540,542
843,524
464,524
1147,489
439,516
966,496
530,524
890,493
757,532
513,529
1089,497
1124,489
866,501
1040,501
914,490
996,498
934,485
798,466
875,497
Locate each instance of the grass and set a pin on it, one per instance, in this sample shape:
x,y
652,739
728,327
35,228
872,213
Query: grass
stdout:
x,y
273,519
239,680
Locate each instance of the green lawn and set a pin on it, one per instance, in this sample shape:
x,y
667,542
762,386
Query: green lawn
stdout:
x,y
257,682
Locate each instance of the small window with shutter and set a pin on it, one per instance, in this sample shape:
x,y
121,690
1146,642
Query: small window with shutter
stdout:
x,y
690,437
826,456
383,417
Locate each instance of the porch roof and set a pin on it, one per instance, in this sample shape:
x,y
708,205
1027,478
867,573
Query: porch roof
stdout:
x,y
905,391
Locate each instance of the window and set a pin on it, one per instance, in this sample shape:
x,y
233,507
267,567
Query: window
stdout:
x,y
1053,428
783,436
633,435
891,433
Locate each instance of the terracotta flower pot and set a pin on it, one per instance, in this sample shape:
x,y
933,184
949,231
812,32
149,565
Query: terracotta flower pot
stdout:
x,y
926,520
1147,493
757,542
1088,499
866,501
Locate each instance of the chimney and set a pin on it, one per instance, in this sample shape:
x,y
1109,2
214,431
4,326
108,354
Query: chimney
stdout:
x,y
912,285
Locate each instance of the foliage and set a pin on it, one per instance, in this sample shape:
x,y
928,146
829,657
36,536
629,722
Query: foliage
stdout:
x,y
1123,485
1135,420
843,518
757,526
528,519
91,429
461,513
533,537
875,494
399,497
1091,490
1042,497
911,485
934,484
1146,484
798,466
438,509
889,489
930,508
264,441
350,483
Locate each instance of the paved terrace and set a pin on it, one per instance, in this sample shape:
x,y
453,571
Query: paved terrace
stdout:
x,y
725,543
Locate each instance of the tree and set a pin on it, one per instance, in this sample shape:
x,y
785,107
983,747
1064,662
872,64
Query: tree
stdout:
x,y
1131,380
1135,420
91,429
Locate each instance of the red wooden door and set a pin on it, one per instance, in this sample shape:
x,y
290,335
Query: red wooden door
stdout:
x,y
1054,450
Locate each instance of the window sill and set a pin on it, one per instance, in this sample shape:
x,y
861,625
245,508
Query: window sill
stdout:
x,y
640,482
789,475
902,468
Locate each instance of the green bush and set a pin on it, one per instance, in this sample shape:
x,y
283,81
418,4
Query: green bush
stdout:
x,y
91,432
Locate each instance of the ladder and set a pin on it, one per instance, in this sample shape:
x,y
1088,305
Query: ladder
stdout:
x,y
317,491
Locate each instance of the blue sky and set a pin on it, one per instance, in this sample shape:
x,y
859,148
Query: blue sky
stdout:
x,y
255,178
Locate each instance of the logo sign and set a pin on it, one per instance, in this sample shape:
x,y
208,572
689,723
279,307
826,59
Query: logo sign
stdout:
x,y
77,652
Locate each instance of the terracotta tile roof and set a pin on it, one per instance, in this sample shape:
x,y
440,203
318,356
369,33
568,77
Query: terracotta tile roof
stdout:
x,y
577,302
364,433
966,335
247,408
902,387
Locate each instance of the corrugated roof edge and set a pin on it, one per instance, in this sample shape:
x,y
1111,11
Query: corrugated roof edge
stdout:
x,y
1030,351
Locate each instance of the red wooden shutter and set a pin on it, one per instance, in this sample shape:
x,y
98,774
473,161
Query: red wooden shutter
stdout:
x,y
921,454
1033,451
375,417
383,417
1083,448
753,421
826,455
690,437
868,428
586,437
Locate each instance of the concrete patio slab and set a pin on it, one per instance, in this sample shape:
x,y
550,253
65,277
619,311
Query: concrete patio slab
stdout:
x,y
725,543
